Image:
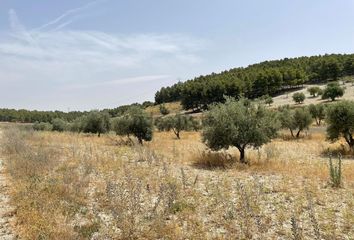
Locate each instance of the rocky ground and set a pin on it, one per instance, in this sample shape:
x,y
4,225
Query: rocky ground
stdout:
x,y
6,211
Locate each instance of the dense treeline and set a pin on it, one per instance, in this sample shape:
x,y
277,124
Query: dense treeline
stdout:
x,y
269,77
27,116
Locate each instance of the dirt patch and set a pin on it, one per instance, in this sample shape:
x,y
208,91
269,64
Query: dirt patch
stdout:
x,y
6,211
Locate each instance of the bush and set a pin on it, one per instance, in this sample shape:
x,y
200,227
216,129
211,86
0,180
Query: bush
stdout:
x,y
212,160
164,110
333,91
147,104
295,120
268,100
340,120
59,125
318,112
96,122
240,124
314,91
42,126
335,172
298,98
77,125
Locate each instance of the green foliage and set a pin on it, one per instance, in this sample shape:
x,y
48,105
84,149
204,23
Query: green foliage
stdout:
x,y
299,97
270,77
240,124
176,123
340,120
134,122
332,91
315,91
318,112
120,125
147,104
77,125
164,110
96,122
335,172
59,125
42,126
26,116
268,100
295,120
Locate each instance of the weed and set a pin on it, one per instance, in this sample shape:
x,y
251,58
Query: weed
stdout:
x,y
335,172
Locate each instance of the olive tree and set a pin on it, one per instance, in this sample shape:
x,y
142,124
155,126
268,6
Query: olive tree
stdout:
x,y
318,112
120,125
177,124
333,91
77,125
299,97
314,91
135,122
239,124
340,120
59,125
96,122
268,100
163,109
42,126
295,120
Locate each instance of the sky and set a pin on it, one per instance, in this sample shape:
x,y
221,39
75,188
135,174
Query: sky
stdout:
x,y
94,54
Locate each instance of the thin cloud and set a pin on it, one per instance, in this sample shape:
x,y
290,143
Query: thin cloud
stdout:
x,y
44,66
18,29
139,79
68,13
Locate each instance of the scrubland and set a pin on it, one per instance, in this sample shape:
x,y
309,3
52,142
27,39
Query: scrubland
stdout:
x,y
80,186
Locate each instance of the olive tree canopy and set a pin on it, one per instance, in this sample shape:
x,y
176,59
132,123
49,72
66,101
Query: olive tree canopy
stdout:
x,y
239,124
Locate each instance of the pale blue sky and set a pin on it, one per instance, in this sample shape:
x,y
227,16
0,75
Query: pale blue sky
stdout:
x,y
82,55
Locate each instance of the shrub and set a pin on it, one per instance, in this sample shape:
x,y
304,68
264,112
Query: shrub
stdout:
x,y
268,100
59,125
314,91
333,91
298,98
164,110
177,124
42,126
335,172
147,104
295,120
96,122
212,160
76,125
240,124
340,120
318,112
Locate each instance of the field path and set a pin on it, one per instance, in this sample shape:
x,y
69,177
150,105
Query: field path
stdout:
x,y
6,210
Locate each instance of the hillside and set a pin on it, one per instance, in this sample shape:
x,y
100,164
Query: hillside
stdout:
x,y
269,77
286,98
276,78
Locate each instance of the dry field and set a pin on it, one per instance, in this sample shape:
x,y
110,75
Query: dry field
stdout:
x,y
76,186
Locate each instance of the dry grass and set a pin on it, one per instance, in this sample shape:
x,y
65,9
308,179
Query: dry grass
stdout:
x,y
173,107
74,186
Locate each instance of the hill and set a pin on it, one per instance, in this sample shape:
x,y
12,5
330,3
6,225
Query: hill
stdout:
x,y
269,77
